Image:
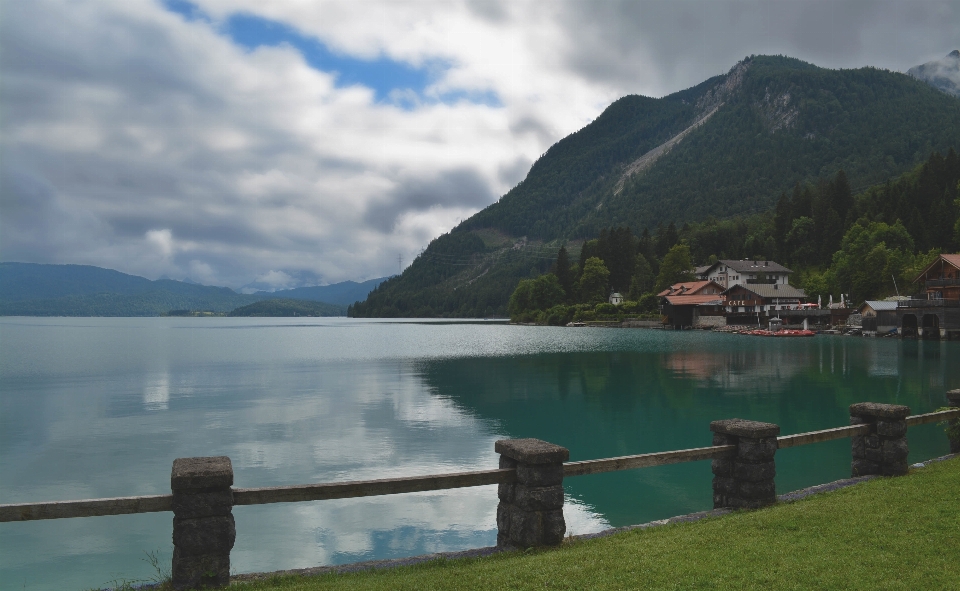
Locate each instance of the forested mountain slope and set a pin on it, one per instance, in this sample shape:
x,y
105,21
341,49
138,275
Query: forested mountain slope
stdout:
x,y
758,131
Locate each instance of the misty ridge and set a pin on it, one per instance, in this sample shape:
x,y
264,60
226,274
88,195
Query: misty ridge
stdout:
x,y
943,74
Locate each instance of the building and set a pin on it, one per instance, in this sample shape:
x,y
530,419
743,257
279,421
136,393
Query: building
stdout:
x,y
753,303
728,273
941,279
879,317
693,303
935,312
616,299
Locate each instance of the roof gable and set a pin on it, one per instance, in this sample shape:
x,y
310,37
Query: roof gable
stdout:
x,y
747,266
951,259
690,288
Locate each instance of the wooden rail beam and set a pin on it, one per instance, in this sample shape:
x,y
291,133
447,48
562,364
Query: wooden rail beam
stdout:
x,y
646,460
786,441
933,417
85,508
369,488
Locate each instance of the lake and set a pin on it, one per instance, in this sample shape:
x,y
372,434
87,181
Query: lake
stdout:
x,y
100,407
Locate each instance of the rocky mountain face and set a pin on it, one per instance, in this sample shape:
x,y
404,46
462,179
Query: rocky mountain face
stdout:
x,y
943,74
727,147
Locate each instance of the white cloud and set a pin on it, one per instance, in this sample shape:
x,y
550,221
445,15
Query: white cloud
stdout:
x,y
122,118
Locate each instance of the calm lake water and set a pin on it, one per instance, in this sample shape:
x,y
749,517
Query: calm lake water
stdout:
x,y
100,407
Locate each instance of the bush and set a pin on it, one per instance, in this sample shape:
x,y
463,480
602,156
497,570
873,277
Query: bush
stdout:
x,y
558,315
605,309
649,303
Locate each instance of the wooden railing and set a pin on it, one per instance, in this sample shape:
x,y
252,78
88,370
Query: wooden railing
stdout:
x,y
392,486
731,439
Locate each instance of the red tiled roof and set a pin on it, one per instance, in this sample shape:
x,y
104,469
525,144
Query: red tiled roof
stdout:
x,y
687,288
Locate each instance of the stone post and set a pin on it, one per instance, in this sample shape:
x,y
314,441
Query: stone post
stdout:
x,y
884,450
746,479
531,510
203,526
953,401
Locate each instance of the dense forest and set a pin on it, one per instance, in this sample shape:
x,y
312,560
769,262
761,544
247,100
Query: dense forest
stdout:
x,y
772,133
834,241
289,308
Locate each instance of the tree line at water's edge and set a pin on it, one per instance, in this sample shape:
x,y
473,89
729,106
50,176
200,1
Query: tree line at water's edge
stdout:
x,y
867,245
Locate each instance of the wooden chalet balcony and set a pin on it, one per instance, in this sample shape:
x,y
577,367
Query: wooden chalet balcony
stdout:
x,y
925,303
942,282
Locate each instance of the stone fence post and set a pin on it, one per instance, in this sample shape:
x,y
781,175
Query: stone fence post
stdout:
x,y
884,450
745,480
203,526
953,400
530,512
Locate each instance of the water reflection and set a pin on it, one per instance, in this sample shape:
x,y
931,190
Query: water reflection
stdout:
x,y
602,404
101,408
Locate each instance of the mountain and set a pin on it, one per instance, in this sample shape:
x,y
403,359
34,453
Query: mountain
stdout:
x,y
943,74
727,147
279,307
344,293
29,289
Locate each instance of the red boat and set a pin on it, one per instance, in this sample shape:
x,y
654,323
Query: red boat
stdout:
x,y
786,332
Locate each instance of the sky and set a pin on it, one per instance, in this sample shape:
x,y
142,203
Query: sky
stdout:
x,y
269,145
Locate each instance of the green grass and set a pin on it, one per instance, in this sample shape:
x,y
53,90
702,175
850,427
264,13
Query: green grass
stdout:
x,y
889,533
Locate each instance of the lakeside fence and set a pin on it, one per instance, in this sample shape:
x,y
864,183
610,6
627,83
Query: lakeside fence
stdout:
x,y
530,476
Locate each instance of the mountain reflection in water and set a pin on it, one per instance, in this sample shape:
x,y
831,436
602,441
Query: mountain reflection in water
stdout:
x,y
101,407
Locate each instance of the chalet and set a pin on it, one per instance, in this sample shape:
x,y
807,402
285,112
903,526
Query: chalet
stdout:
x,y
879,317
693,303
935,312
750,303
728,273
940,280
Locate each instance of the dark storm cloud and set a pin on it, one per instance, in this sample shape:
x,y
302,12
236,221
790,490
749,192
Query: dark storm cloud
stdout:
x,y
461,187
678,44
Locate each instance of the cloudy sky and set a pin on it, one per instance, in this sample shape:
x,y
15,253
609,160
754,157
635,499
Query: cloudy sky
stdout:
x,y
305,141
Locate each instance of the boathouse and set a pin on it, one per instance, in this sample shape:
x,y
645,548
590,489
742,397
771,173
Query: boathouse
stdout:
x,y
879,316
935,312
693,303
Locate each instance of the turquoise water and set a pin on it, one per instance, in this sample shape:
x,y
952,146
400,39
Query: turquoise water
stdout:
x,y
95,407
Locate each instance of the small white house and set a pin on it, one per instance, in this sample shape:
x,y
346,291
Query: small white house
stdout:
x,y
616,299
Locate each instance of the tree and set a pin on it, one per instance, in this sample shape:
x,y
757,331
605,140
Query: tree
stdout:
x,y
617,248
871,256
801,241
594,281
563,272
676,267
541,293
643,278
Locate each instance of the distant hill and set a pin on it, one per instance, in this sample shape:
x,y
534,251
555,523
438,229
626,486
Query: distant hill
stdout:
x,y
29,289
943,74
289,308
345,293
726,147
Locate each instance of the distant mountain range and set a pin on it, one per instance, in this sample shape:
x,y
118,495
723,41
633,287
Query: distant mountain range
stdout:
x,y
29,289
727,147
943,74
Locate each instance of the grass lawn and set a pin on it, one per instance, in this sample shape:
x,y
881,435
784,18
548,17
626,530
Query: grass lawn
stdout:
x,y
889,533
